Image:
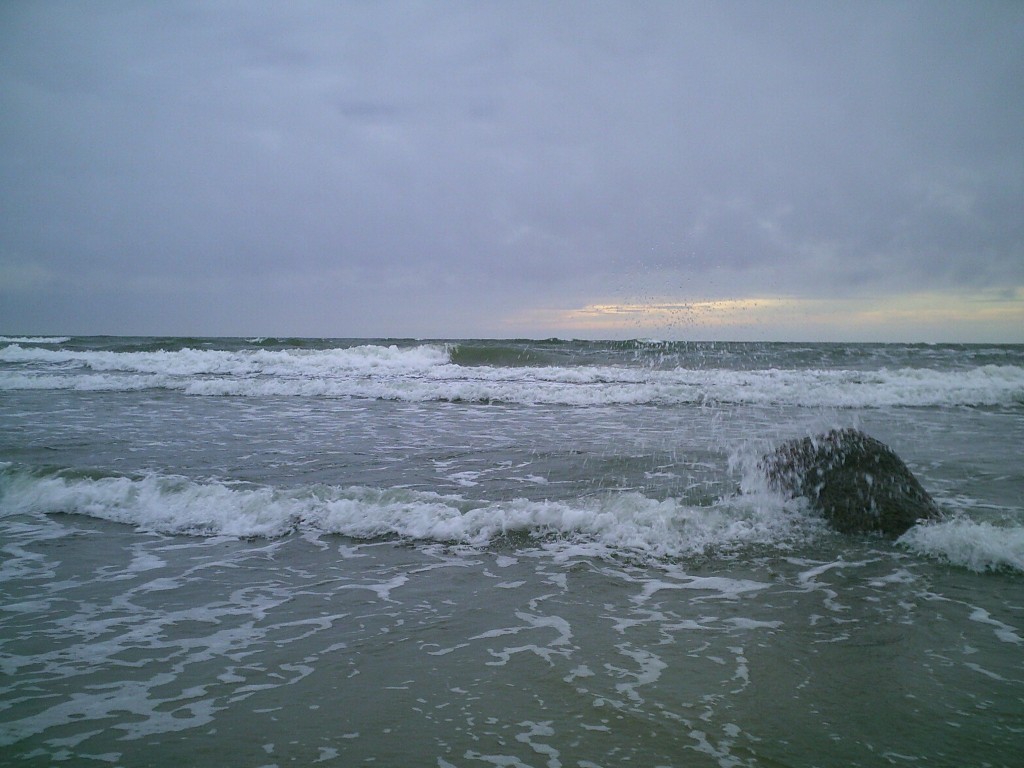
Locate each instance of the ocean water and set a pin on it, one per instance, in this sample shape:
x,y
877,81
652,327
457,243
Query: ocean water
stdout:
x,y
257,552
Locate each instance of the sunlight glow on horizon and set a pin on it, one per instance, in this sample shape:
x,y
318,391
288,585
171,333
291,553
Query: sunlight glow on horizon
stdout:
x,y
983,317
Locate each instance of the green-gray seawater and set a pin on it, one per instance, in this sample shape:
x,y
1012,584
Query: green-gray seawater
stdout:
x,y
511,553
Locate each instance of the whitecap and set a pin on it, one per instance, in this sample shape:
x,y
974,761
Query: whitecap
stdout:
x,y
977,545
617,524
34,339
425,372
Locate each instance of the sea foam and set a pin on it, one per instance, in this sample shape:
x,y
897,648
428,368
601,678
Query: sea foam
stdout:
x,y
426,372
34,339
624,523
629,523
977,545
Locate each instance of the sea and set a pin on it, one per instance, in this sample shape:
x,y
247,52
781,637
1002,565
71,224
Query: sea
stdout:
x,y
248,552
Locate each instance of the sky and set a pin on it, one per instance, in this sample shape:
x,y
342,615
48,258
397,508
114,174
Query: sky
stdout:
x,y
812,171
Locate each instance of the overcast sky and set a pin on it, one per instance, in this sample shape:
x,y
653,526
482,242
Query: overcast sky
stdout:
x,y
777,170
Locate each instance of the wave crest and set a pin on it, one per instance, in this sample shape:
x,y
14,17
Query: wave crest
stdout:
x,y
629,524
34,339
439,372
977,545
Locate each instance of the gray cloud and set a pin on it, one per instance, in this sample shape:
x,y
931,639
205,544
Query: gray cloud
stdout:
x,y
421,168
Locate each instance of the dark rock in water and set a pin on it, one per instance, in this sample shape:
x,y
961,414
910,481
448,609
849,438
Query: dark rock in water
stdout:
x,y
858,483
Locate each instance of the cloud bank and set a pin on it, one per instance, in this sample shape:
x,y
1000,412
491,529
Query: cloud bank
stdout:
x,y
496,169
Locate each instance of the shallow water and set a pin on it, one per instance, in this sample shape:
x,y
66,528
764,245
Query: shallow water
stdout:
x,y
161,650
293,578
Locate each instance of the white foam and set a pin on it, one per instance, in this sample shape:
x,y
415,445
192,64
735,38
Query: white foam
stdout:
x,y
979,546
34,339
720,586
1004,632
650,667
425,373
195,362
623,523
383,589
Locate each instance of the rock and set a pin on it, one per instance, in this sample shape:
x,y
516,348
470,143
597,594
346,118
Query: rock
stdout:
x,y
859,484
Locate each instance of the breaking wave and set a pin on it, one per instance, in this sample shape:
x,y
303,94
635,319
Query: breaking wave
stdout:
x,y
34,339
973,544
440,372
621,524
628,524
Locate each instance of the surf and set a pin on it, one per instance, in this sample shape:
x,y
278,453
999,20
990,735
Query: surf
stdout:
x,y
623,523
495,374
615,524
